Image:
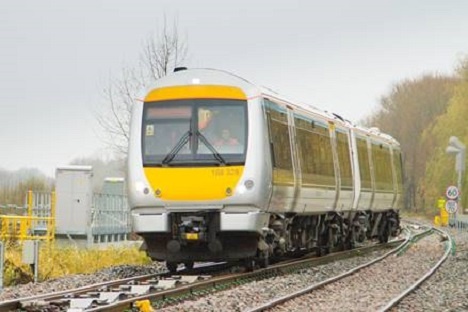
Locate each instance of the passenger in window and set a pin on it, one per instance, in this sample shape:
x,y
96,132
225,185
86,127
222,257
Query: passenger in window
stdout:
x,y
226,139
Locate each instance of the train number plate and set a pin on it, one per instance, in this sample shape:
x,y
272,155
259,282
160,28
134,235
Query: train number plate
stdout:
x,y
191,236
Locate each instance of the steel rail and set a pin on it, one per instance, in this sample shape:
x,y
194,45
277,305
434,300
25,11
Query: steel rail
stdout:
x,y
275,302
414,286
15,304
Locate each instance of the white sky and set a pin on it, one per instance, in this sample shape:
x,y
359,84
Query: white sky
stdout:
x,y
342,56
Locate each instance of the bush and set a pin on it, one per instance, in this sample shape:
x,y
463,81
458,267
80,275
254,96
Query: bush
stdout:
x,y
55,261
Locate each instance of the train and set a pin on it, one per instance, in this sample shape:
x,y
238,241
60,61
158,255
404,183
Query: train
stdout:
x,y
222,169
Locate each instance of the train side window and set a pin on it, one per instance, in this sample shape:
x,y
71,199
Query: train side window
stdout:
x,y
382,169
315,152
344,159
364,165
279,137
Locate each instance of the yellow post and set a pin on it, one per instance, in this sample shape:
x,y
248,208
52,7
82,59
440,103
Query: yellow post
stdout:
x,y
52,216
30,203
30,210
3,229
444,215
24,227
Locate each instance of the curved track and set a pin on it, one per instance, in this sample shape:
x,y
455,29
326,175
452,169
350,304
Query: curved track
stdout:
x,y
348,279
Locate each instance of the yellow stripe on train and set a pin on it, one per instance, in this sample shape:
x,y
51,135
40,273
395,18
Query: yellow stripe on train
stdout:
x,y
193,183
194,92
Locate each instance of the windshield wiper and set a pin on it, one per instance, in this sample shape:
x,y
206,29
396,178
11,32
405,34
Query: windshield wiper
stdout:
x,y
176,149
213,150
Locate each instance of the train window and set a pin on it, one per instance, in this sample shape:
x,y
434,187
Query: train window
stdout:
x,y
344,158
315,150
164,127
364,165
382,167
279,137
194,132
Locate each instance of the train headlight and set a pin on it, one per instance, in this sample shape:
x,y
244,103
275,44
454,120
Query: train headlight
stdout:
x,y
249,184
141,187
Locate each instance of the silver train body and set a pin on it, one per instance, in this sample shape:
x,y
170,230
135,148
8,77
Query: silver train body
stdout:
x,y
300,179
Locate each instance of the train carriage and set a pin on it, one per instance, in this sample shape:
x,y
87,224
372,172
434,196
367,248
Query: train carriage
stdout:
x,y
221,169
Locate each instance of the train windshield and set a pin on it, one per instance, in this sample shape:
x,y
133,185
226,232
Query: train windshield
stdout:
x,y
201,132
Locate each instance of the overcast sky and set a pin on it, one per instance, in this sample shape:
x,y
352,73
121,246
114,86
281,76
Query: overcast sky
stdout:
x,y
341,56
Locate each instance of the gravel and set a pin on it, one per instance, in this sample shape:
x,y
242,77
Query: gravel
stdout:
x,y
252,294
373,287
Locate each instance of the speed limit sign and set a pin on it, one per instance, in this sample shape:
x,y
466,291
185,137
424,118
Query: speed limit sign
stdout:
x,y
451,206
452,192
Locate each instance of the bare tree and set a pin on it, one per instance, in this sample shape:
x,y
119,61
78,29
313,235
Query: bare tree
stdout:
x,y
161,53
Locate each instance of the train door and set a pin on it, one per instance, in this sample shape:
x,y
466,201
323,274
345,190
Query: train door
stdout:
x,y
344,157
366,178
297,206
283,175
317,189
372,173
336,165
355,168
397,177
383,176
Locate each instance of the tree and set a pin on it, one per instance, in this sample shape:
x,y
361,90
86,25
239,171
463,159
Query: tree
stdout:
x,y
14,185
440,168
412,106
160,55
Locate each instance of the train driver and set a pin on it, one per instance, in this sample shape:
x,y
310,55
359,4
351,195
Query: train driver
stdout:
x,y
226,139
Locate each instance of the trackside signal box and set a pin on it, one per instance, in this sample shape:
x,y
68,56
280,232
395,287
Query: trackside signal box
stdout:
x,y
74,195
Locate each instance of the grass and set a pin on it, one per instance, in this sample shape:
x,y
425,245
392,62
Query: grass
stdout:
x,y
57,261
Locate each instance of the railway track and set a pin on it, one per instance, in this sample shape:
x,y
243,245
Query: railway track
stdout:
x,y
334,288
80,299
164,289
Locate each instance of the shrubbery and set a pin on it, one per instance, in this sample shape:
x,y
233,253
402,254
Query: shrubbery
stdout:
x,y
57,261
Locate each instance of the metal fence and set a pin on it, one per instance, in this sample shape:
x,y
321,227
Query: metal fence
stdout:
x,y
37,224
458,221
110,218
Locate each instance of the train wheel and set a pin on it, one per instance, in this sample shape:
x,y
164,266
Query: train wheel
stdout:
x,y
264,259
249,264
323,248
350,240
383,238
323,241
172,267
188,265
385,232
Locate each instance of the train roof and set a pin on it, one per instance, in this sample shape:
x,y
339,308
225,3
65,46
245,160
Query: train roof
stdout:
x,y
220,77
212,76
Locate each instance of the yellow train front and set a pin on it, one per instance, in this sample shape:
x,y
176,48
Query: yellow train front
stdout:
x,y
220,169
197,187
